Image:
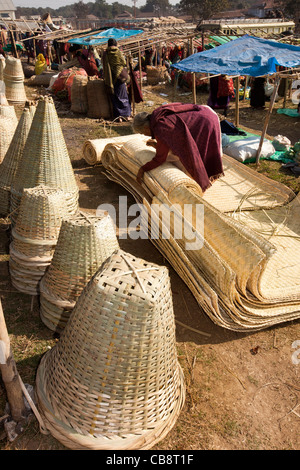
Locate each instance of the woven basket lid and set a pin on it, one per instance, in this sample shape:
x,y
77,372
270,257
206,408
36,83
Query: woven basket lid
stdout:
x,y
85,242
45,159
113,380
11,159
35,235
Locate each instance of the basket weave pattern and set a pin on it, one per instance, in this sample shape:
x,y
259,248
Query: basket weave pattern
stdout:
x,y
84,243
113,380
35,235
244,275
11,159
45,159
13,77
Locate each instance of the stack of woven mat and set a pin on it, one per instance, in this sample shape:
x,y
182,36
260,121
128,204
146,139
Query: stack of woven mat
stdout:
x,y
245,274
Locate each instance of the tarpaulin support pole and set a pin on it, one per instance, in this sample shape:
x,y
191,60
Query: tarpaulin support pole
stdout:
x,y
194,88
237,101
264,131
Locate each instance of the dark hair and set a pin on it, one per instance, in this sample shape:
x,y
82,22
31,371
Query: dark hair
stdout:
x,y
111,42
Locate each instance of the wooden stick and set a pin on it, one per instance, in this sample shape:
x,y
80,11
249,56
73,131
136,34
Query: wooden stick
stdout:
x,y
10,375
264,131
194,88
237,99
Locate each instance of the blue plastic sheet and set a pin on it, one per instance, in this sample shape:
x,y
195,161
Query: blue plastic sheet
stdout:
x,y
246,55
103,36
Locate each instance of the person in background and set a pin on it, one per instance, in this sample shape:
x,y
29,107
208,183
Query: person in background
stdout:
x,y
257,93
221,90
116,79
188,135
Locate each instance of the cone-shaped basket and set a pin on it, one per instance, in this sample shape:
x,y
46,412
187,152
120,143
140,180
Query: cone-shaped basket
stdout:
x,y
7,130
13,77
45,159
84,243
9,111
11,160
113,380
34,236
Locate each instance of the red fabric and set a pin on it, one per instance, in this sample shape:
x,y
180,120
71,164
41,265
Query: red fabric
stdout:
x,y
225,87
88,62
65,79
193,133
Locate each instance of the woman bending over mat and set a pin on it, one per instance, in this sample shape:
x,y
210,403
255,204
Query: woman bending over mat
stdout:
x,y
188,135
116,78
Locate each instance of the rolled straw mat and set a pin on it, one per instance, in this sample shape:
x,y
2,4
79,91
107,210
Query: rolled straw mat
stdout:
x,y
248,244
113,380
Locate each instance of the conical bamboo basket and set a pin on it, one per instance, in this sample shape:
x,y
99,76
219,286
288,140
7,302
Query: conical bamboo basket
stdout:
x,y
84,243
8,111
7,130
11,160
113,380
45,159
35,235
13,77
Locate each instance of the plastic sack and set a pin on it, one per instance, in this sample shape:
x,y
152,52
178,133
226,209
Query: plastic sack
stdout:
x,y
246,149
40,65
281,143
65,79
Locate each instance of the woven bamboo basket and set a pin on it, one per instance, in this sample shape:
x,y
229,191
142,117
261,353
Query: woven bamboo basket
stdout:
x,y
99,105
79,99
7,130
8,110
11,160
13,77
85,242
45,159
35,235
155,74
113,380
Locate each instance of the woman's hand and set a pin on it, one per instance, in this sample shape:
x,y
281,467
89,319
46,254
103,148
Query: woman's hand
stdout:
x,y
140,175
151,143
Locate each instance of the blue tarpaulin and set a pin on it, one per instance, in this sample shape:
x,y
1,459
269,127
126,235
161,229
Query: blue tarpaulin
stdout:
x,y
103,36
246,55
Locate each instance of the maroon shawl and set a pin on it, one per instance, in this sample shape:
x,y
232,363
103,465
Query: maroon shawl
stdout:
x,y
193,133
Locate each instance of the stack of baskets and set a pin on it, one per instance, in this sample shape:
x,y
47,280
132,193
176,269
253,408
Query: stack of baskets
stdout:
x,y
85,242
11,160
45,159
113,380
13,77
34,236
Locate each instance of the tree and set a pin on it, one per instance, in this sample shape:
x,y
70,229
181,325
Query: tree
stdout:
x,y
81,10
159,6
202,10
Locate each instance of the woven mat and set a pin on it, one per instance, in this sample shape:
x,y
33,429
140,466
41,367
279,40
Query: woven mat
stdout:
x,y
237,276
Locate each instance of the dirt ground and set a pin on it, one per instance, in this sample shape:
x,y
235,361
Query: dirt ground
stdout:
x,y
243,389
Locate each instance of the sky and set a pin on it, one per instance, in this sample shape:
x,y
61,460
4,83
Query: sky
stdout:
x,y
59,3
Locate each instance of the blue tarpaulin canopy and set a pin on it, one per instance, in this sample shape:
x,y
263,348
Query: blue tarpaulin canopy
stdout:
x,y
103,36
246,55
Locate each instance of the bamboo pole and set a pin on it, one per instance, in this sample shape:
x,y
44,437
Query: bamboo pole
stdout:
x,y
264,131
194,88
245,87
10,374
140,68
237,100
286,87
